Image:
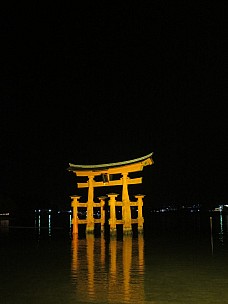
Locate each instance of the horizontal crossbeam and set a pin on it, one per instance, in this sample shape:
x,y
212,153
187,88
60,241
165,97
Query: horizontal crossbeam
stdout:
x,y
119,182
145,160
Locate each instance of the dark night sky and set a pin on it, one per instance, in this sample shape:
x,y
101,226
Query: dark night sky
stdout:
x,y
105,83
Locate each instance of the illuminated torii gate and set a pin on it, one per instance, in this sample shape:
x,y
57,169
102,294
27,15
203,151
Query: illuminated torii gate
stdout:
x,y
106,173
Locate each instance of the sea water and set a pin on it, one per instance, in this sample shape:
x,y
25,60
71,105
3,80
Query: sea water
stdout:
x,y
180,258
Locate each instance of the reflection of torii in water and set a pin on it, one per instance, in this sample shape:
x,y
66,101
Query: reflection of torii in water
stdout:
x,y
105,176
123,257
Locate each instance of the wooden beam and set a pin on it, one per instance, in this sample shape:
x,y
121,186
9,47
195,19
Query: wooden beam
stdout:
x,y
131,181
115,170
82,205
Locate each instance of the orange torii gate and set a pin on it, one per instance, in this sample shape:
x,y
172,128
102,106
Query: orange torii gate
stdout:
x,y
106,173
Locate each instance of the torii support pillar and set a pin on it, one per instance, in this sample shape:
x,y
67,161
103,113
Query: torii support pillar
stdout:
x,y
74,205
140,215
90,218
112,220
127,229
102,202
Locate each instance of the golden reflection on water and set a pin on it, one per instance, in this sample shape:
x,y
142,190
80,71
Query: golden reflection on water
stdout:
x,y
108,270
127,259
90,263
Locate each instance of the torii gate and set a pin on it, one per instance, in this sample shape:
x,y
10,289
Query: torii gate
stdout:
x,y
107,172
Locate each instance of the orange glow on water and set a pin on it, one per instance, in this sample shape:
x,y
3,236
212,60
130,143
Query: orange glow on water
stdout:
x,y
110,276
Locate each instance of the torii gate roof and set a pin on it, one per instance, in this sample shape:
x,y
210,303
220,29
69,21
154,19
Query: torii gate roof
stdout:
x,y
144,160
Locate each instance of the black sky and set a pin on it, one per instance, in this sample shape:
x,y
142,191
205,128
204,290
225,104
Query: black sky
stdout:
x,y
102,83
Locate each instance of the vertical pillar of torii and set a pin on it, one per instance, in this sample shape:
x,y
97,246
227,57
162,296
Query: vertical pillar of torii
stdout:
x,y
74,205
126,211
90,218
112,219
140,214
102,204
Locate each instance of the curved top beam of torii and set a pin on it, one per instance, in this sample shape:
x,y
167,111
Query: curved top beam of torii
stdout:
x,y
133,165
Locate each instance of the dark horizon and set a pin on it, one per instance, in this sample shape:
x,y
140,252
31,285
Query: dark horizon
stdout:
x,y
103,85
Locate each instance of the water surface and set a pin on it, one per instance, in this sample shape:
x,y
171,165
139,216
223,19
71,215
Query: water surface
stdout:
x,y
179,259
